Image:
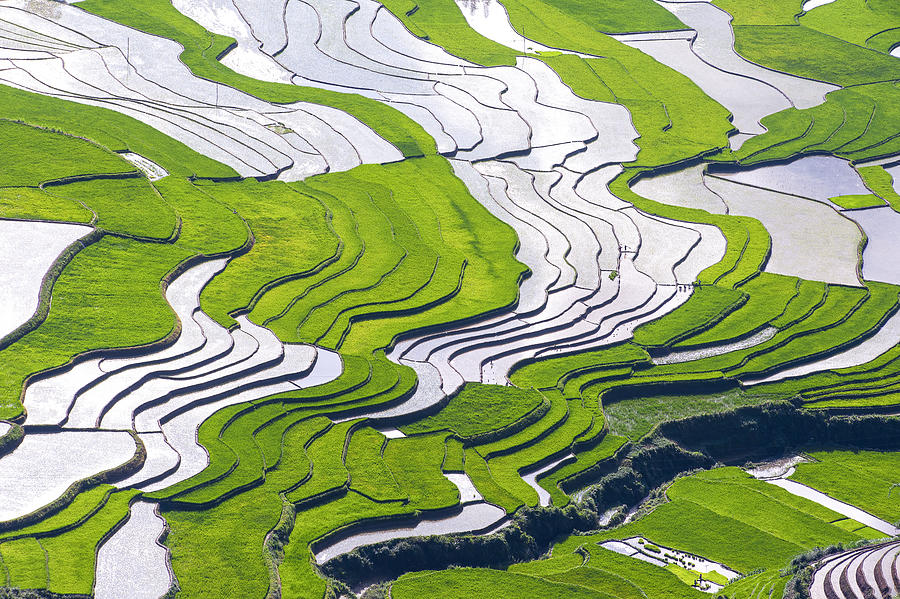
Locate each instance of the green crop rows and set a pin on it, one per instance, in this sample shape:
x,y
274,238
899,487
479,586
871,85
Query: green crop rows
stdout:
x,y
409,281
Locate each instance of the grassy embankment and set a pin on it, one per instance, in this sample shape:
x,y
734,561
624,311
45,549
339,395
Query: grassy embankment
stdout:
x,y
865,479
59,553
144,231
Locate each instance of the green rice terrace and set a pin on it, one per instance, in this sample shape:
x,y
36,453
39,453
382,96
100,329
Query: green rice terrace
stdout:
x,y
450,299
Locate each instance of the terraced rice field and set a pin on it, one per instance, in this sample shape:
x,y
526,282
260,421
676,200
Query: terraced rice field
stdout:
x,y
449,298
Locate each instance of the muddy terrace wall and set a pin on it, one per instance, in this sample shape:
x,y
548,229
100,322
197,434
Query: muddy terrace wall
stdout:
x,y
11,439
676,448
7,593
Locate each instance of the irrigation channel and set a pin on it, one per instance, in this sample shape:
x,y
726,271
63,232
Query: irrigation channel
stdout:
x,y
532,152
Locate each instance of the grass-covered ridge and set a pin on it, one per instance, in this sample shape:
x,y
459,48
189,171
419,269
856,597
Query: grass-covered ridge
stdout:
x,y
479,409
354,259
871,486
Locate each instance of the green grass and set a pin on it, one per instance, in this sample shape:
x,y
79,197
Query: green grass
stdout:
x,y
295,462
866,317
803,51
202,48
31,203
748,242
797,131
885,396
30,156
471,268
634,418
881,183
549,566
114,276
879,138
244,462
604,581
351,260
846,314
366,382
83,506
880,370
398,267
810,295
506,468
686,576
59,554
874,394
463,583
298,578
111,277
222,457
884,41
71,556
761,12
26,563
769,583
218,551
369,474
584,77
853,20
863,479
707,306
130,207
290,234
870,384
412,249
851,202
844,117
554,417
480,474
478,409
442,23
577,383
416,466
619,16
768,297
454,456
328,470
110,130
707,511
858,528
620,575
207,226
553,372
696,124
110,294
